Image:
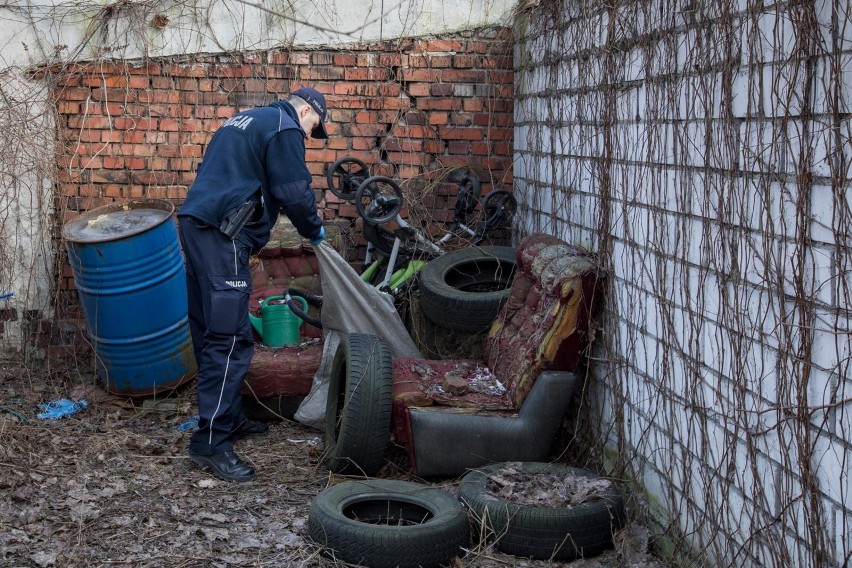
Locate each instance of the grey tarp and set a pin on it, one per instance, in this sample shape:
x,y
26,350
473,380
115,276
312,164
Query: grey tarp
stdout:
x,y
350,305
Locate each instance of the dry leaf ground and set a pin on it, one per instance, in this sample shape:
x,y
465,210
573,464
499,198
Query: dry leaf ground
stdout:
x,y
112,486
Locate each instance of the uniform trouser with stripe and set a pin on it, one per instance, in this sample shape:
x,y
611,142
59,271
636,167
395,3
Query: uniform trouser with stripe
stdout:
x,y
218,285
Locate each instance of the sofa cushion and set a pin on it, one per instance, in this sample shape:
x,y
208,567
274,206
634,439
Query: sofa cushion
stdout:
x,y
544,323
461,383
283,371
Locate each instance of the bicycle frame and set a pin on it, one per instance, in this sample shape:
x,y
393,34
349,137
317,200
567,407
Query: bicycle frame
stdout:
x,y
382,208
394,279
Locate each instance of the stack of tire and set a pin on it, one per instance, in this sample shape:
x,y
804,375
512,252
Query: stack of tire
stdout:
x,y
387,523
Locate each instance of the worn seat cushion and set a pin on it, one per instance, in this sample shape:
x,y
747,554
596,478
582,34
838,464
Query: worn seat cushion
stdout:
x,y
543,326
461,383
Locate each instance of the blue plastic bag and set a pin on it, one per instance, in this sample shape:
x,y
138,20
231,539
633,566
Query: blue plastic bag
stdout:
x,y
61,408
191,425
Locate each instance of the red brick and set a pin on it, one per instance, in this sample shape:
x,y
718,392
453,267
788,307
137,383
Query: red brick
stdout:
x,y
68,79
366,117
195,70
129,137
73,94
112,163
464,61
480,148
420,75
409,171
442,45
338,143
398,145
299,58
135,163
455,76
434,146
415,131
500,133
321,73
158,163
392,60
367,74
441,90
439,104
89,191
449,133
409,158
418,89
501,77
493,119
438,118
111,136
461,119
458,147
151,69
64,107
360,143
477,46
153,137
170,125
180,111
94,122
345,59
322,58
418,61
367,130
89,136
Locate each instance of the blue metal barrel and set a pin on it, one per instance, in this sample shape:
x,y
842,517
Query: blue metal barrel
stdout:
x,y
130,276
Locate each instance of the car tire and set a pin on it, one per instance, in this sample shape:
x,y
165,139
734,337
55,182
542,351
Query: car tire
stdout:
x,y
358,408
385,523
463,290
552,533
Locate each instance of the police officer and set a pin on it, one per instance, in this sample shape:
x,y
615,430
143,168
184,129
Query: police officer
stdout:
x,y
254,167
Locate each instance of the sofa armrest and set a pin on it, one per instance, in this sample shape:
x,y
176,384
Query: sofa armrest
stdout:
x,y
449,443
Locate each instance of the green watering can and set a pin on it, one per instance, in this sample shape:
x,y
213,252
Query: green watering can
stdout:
x,y
277,325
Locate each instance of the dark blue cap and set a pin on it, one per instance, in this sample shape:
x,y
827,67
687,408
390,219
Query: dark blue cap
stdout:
x,y
317,101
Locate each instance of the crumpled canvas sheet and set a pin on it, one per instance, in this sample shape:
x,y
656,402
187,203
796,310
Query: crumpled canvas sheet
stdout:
x,y
350,305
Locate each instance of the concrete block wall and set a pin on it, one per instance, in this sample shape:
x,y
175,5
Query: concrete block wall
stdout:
x,y
424,111
704,153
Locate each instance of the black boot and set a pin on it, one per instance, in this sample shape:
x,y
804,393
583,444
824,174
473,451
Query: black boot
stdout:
x,y
249,429
227,466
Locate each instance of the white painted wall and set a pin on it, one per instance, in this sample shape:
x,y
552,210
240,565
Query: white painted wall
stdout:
x,y
62,31
26,210
680,151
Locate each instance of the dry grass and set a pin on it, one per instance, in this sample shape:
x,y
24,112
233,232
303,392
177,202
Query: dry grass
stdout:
x,y
111,485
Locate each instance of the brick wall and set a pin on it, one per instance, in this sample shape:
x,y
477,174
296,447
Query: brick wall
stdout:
x,y
424,111
704,153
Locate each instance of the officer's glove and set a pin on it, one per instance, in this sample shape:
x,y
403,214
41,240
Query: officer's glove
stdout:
x,y
320,238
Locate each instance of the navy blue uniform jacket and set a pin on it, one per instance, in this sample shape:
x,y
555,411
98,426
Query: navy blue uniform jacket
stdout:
x,y
257,154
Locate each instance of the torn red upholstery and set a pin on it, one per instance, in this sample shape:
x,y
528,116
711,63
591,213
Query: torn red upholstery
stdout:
x,y
544,325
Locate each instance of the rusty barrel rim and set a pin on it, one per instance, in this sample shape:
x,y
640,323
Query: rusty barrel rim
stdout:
x,y
75,230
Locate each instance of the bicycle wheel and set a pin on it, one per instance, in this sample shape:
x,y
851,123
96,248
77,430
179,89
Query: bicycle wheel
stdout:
x,y
499,206
345,175
378,199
